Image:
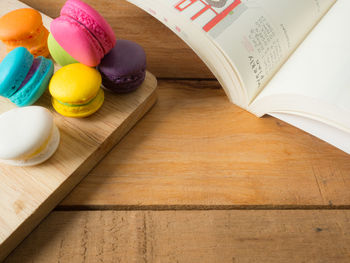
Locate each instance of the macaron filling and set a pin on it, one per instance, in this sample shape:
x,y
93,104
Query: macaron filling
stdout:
x,y
34,84
79,110
41,154
31,72
28,136
79,105
38,33
44,152
24,28
92,34
124,84
39,149
88,52
12,76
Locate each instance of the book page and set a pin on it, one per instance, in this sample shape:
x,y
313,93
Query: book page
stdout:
x,y
201,44
329,134
315,81
255,35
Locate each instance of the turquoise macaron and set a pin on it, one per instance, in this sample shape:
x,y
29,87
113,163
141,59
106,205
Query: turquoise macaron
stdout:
x,y
23,78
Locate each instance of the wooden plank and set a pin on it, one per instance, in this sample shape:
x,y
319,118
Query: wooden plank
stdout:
x,y
189,236
28,194
168,56
195,149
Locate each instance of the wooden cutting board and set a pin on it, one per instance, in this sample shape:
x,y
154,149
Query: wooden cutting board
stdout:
x,y
27,195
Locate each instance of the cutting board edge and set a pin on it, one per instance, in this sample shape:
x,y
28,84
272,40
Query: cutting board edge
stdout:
x,y
72,181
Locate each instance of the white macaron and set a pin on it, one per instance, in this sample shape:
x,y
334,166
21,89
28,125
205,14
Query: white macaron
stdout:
x,y
28,136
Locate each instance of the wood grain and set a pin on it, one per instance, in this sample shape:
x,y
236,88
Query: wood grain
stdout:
x,y
167,55
189,236
28,194
196,150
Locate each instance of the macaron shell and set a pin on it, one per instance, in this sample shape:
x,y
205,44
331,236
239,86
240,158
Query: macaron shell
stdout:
x,y
20,24
123,69
23,131
39,48
80,44
75,84
41,157
36,86
92,20
125,84
58,53
24,28
26,42
80,111
13,70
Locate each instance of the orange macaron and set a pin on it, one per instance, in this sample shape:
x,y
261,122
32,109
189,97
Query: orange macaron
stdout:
x,y
24,28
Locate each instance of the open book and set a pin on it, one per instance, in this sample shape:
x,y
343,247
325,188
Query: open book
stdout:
x,y
286,58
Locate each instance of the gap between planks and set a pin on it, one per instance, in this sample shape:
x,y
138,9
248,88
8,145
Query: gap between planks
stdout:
x,y
197,207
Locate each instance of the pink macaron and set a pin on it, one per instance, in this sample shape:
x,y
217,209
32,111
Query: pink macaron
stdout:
x,y
83,33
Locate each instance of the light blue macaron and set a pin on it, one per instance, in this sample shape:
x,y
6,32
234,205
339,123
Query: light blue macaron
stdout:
x,y
24,79
13,70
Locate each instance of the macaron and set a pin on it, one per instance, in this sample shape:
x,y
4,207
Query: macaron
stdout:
x,y
23,78
123,69
83,33
76,90
58,53
24,28
28,136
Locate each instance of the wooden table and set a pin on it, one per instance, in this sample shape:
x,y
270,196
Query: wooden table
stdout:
x,y
198,179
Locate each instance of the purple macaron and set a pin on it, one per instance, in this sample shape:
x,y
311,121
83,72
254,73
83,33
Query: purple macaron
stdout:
x,y
123,69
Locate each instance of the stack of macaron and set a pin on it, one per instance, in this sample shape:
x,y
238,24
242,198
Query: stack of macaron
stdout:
x,y
82,35
91,59
25,72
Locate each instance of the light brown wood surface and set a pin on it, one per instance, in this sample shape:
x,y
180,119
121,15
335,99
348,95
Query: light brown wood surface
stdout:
x,y
189,236
196,151
28,194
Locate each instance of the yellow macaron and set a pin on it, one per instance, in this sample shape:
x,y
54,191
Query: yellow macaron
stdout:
x,y
76,91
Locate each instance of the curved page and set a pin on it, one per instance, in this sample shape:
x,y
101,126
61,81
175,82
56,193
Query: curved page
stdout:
x,y
252,38
314,82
